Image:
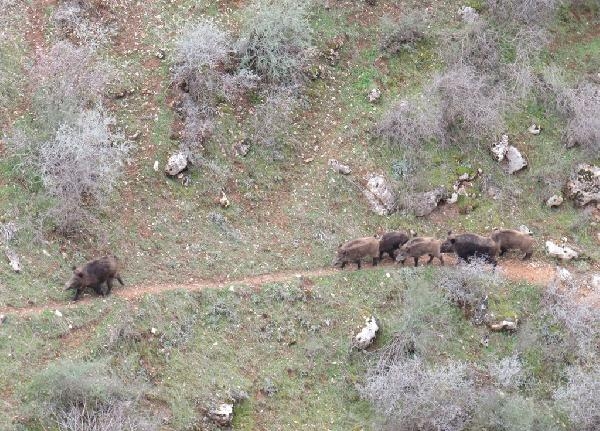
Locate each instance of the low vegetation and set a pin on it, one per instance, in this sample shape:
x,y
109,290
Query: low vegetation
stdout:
x,y
260,95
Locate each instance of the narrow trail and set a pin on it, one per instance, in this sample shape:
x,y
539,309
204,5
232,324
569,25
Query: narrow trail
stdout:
x,y
530,271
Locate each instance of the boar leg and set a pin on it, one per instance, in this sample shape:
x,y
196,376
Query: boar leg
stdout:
x,y
528,255
375,261
416,261
358,263
118,276
109,281
441,258
430,259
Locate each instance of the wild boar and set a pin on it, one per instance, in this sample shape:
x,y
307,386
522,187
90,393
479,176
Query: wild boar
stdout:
x,y
418,247
356,250
392,241
93,274
509,239
469,245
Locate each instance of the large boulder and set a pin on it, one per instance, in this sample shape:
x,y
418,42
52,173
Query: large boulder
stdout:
x,y
584,185
509,155
562,252
424,203
379,193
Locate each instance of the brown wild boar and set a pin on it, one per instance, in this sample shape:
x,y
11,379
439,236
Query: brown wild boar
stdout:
x,y
356,250
93,274
418,247
392,241
509,239
469,245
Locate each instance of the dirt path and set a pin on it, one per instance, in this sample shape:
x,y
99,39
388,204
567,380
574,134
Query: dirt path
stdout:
x,y
533,272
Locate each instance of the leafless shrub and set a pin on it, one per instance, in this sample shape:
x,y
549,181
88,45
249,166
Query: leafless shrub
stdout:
x,y
276,40
411,123
565,302
411,395
471,105
206,73
523,12
468,286
68,80
202,51
476,45
273,118
508,372
402,34
82,20
580,398
79,167
498,410
579,106
425,321
583,127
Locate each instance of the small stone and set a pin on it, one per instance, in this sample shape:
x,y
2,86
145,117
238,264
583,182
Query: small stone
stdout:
x,y
160,54
242,147
596,282
309,159
57,313
153,330
339,167
534,129
224,201
485,340
221,415
2,318
554,201
156,165
176,163
524,229
468,14
367,335
135,136
374,95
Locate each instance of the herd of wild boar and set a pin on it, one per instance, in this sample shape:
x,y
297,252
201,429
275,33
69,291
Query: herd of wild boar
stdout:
x,y
397,245
401,246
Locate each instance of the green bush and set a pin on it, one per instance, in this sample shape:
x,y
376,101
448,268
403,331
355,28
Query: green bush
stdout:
x,y
276,39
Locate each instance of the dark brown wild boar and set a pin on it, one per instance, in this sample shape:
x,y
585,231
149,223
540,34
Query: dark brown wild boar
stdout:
x,y
356,250
392,241
93,274
469,245
509,239
418,247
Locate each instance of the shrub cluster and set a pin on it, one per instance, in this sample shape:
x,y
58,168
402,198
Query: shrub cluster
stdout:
x,y
82,396
269,57
74,147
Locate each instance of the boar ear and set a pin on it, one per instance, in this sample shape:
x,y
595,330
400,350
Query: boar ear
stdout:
x,y
453,240
449,232
79,274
